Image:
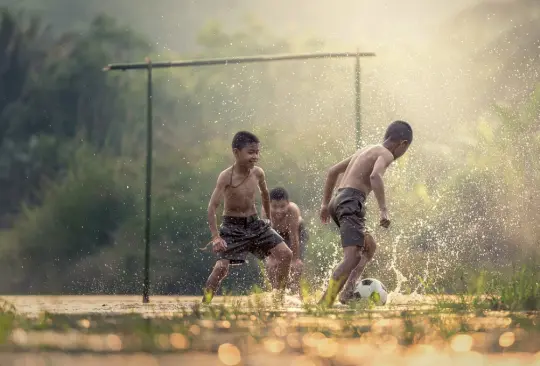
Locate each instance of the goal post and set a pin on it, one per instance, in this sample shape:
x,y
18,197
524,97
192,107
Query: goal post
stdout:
x,y
148,65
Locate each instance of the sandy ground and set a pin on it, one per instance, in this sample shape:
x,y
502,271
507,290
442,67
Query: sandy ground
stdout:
x,y
33,305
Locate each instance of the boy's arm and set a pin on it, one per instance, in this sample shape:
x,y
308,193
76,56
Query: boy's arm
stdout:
x,y
265,196
294,231
263,213
331,178
377,184
338,180
215,199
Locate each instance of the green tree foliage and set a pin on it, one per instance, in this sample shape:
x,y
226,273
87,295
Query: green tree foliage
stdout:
x,y
78,216
53,92
73,153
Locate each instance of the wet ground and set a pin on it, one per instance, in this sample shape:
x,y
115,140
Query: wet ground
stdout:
x,y
118,330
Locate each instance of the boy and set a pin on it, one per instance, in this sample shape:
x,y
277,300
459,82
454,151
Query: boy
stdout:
x,y
362,173
287,221
242,231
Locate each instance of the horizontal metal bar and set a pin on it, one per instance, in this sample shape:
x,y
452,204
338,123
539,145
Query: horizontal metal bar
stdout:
x,y
234,60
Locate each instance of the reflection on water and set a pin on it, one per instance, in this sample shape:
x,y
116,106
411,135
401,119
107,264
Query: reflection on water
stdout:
x,y
250,330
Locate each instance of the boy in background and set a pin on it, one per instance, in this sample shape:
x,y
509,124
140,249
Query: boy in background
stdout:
x,y
287,220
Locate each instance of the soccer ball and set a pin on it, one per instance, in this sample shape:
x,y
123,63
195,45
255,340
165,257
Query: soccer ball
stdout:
x,y
370,288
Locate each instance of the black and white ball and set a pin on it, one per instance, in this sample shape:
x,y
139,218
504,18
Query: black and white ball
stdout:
x,y
370,288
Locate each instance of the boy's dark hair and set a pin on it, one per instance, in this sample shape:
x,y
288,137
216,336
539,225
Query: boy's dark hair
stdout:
x,y
399,130
243,138
278,194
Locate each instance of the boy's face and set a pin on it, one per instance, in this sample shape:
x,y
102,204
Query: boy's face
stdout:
x,y
248,155
401,148
279,207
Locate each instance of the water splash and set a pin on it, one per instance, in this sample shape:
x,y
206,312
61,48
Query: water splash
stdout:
x,y
400,278
425,277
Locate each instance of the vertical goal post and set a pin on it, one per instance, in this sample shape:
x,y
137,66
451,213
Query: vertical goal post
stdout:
x,y
148,65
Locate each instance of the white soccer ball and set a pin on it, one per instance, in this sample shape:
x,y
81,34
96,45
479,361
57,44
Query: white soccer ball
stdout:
x,y
370,288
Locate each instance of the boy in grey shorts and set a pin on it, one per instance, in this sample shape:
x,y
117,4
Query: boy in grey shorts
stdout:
x,y
245,235
242,231
362,173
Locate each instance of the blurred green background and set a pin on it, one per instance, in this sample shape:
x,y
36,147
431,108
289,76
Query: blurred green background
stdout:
x,y
72,138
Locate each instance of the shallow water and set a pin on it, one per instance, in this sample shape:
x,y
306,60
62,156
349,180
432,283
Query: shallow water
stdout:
x,y
33,305
411,329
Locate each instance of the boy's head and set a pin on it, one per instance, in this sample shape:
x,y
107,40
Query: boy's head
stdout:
x,y
279,201
245,146
398,137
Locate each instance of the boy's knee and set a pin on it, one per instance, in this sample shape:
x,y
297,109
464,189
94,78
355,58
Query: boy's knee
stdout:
x,y
288,254
283,253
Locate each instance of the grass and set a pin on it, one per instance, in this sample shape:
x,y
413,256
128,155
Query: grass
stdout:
x,y
488,307
519,291
7,319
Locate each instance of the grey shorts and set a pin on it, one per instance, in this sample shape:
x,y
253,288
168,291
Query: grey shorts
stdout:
x,y
347,209
245,235
303,236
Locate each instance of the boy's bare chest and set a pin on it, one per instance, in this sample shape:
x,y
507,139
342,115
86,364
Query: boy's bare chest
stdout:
x,y
242,190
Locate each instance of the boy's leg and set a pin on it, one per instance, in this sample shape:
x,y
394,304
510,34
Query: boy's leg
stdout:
x,y
298,265
352,255
220,271
271,266
232,230
296,272
348,212
268,245
367,255
281,255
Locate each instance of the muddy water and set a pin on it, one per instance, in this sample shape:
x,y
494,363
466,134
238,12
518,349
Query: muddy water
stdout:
x,y
120,330
33,305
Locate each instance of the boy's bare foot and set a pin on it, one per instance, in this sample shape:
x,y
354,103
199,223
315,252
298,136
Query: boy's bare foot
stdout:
x,y
345,297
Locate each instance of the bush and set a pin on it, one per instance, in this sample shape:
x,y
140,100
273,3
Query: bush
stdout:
x,y
78,217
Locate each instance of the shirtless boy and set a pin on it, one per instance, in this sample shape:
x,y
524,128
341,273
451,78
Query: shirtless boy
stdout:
x,y
242,231
362,173
287,221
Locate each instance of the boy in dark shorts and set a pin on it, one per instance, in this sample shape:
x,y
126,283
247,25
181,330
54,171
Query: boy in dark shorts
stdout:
x,y
362,173
242,231
287,221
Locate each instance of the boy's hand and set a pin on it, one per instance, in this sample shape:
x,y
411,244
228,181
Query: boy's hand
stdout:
x,y
296,263
218,244
324,214
385,221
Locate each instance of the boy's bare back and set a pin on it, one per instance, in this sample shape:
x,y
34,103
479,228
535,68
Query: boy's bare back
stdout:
x,y
361,166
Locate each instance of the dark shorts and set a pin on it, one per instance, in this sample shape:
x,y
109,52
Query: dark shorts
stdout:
x,y
245,235
303,236
347,209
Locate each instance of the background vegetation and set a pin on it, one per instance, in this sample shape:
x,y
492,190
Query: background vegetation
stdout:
x,y
72,139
